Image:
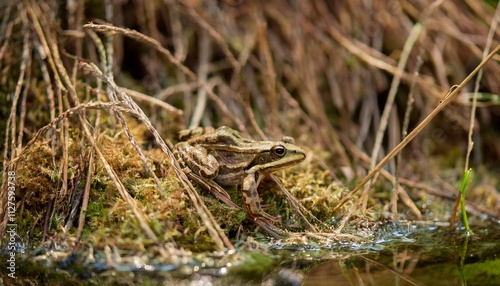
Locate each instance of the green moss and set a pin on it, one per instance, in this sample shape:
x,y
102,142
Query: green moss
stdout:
x,y
254,265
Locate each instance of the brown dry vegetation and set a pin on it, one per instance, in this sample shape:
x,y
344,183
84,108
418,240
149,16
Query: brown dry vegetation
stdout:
x,y
320,71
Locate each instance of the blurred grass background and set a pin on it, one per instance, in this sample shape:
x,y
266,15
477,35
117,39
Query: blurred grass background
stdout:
x,y
320,71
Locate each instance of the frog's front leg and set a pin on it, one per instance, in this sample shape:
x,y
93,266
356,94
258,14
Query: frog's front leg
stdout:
x,y
251,199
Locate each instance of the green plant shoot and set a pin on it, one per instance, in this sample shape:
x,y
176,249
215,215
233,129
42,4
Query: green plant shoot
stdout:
x,y
465,181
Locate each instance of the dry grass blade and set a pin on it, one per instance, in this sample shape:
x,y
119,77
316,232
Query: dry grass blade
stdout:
x,y
218,236
321,72
374,58
122,190
452,93
11,124
404,132
205,54
392,179
299,208
408,47
88,182
70,112
151,100
185,70
491,33
218,38
142,39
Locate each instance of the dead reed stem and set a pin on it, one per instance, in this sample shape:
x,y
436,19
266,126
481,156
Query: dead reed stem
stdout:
x,y
218,236
489,40
408,47
448,97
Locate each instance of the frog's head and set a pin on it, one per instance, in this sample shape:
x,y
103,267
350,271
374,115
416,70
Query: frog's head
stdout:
x,y
277,155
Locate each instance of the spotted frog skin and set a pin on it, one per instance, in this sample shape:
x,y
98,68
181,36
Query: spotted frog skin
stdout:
x,y
222,157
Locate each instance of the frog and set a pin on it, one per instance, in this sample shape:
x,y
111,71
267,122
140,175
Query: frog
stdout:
x,y
222,157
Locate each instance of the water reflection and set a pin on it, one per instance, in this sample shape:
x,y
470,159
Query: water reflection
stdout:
x,y
433,258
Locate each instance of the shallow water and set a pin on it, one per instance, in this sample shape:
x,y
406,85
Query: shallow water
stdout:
x,y
399,254
404,254
425,257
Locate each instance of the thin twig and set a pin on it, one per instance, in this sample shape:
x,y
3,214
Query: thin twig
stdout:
x,y
88,181
269,72
452,93
404,132
487,48
11,124
408,47
121,189
205,50
215,35
218,236
68,113
143,39
185,87
152,100
298,207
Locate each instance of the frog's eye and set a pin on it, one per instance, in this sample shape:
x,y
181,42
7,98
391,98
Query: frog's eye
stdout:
x,y
279,150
